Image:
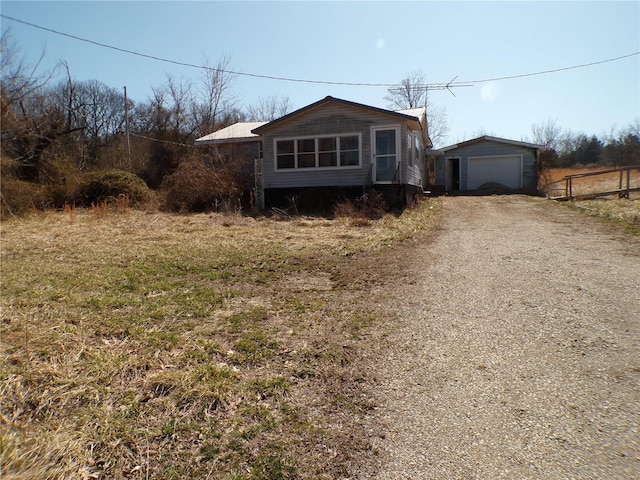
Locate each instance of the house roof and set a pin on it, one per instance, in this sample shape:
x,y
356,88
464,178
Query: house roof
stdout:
x,y
236,133
414,112
329,99
492,139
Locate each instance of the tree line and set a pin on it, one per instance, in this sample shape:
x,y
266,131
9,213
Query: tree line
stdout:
x,y
57,133
565,148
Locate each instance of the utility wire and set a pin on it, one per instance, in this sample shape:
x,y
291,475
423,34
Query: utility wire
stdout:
x,y
549,71
161,141
433,86
185,64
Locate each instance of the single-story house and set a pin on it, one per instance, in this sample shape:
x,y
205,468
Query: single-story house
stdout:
x,y
335,146
487,163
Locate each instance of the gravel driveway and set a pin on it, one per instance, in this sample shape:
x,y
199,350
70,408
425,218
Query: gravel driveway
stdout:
x,y
517,353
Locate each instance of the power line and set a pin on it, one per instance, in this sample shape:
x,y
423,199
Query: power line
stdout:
x,y
192,65
550,71
161,141
430,86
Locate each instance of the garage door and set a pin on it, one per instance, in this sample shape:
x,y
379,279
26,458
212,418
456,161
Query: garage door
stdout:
x,y
505,170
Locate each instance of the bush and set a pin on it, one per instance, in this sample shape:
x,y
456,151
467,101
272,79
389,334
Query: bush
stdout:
x,y
111,184
18,197
196,187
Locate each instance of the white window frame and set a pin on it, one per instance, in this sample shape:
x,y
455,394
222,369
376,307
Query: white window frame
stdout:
x,y
317,166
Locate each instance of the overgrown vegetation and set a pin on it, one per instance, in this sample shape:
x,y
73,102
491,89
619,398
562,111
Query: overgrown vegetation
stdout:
x,y
111,184
197,187
182,347
371,205
56,133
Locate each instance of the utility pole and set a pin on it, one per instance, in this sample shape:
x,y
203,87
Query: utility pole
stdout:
x,y
126,125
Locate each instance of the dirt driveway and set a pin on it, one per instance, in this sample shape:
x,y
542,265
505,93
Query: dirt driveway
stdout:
x,y
517,353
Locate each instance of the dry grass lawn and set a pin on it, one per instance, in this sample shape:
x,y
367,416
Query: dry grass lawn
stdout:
x,y
155,346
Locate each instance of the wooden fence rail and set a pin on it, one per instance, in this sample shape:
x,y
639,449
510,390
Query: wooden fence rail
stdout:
x,y
623,191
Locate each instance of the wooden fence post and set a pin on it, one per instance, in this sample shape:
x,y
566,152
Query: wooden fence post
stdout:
x,y
570,189
628,183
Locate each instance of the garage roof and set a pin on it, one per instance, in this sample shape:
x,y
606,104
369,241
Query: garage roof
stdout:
x,y
493,139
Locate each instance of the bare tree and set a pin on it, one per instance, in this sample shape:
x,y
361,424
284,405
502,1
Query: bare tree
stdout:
x,y
548,133
412,92
553,137
215,100
18,78
181,96
269,108
33,121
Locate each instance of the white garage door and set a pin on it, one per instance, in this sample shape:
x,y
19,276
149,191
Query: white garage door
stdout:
x,y
505,170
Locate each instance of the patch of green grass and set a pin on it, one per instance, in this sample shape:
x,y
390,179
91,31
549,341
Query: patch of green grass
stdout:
x,y
246,320
272,463
270,387
254,347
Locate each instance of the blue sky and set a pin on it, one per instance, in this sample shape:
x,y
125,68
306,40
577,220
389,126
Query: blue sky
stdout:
x,y
366,42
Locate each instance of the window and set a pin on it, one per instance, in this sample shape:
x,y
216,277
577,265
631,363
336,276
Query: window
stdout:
x,y
318,152
349,151
413,142
328,153
307,153
285,154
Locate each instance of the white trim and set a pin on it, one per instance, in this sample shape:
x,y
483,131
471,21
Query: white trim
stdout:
x,y
398,153
295,140
505,156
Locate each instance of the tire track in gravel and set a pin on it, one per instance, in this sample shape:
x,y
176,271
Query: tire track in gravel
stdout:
x,y
517,350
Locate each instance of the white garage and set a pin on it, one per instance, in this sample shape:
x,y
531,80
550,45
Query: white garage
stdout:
x,y
504,170
499,162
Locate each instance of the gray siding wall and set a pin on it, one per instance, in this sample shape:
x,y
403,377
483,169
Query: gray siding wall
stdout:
x,y
414,172
332,119
487,148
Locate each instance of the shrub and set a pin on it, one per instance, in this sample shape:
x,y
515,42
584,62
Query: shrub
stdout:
x,y
18,197
109,185
197,187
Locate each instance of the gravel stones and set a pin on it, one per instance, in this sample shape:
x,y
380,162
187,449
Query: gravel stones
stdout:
x,y
516,352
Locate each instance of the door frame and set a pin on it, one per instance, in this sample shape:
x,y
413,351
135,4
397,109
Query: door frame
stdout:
x,y
398,151
453,166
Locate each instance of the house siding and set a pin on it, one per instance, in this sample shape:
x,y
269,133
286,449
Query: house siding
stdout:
x,y
334,119
484,149
414,172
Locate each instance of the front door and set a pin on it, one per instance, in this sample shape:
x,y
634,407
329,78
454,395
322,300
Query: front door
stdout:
x,y
385,154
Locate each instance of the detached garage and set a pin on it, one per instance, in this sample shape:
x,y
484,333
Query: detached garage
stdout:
x,y
487,163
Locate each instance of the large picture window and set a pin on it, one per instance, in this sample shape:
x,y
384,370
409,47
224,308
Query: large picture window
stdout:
x,y
318,152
